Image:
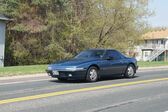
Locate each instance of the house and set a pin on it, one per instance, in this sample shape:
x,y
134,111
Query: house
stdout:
x,y
3,20
155,46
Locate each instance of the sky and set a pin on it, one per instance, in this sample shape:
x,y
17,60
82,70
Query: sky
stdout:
x,y
160,17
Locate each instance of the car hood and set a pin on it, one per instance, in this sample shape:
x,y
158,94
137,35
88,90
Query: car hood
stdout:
x,y
73,62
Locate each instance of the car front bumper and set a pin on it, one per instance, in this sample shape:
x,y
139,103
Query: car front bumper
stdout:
x,y
79,75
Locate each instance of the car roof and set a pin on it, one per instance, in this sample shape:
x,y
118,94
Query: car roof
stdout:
x,y
100,49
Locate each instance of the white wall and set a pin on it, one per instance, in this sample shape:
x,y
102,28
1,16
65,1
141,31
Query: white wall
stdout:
x,y
2,42
146,54
166,44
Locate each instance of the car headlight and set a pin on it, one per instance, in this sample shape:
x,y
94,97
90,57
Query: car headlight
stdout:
x,y
73,68
49,68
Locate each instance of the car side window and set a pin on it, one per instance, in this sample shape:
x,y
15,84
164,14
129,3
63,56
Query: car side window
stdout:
x,y
114,54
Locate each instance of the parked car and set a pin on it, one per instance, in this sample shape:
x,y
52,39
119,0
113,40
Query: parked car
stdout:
x,y
93,64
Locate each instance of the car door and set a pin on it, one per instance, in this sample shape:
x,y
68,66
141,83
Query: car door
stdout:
x,y
115,64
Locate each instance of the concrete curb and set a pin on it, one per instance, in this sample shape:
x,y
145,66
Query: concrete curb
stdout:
x,y
45,74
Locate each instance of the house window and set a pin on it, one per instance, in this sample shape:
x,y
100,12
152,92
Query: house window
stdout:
x,y
162,41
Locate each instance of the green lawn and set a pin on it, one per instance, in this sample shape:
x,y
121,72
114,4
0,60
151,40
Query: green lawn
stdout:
x,y
22,70
152,64
34,69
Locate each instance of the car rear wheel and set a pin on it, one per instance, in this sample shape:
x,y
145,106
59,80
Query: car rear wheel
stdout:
x,y
92,74
130,71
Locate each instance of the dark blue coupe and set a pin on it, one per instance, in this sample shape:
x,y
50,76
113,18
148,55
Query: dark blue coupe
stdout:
x,y
93,64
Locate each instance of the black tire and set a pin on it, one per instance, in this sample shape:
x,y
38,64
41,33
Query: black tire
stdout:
x,y
92,74
130,71
62,79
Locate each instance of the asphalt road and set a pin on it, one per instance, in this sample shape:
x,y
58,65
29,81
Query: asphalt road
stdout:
x,y
43,94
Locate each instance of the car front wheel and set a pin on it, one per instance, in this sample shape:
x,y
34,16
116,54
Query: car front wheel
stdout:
x,y
92,74
130,71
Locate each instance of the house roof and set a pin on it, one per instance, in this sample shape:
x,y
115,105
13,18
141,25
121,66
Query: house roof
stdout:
x,y
2,17
160,34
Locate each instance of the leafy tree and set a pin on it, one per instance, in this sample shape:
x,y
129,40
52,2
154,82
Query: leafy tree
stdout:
x,y
46,30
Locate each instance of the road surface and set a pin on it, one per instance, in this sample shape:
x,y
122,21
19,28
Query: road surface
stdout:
x,y
147,92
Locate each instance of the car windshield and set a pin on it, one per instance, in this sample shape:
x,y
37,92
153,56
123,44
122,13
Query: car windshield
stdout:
x,y
91,54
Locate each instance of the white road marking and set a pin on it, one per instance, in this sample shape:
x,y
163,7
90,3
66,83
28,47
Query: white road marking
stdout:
x,y
38,80
23,76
